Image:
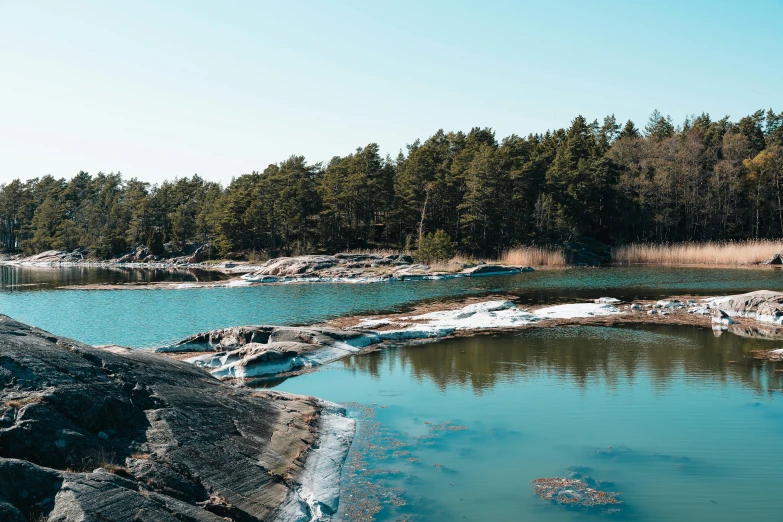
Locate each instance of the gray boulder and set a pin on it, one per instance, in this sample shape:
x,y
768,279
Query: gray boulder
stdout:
x,y
485,270
762,305
777,259
262,352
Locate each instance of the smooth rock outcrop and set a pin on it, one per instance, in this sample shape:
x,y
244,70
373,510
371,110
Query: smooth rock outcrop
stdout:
x,y
327,267
362,268
264,352
487,270
245,352
762,305
90,434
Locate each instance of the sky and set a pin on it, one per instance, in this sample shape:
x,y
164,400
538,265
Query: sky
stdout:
x,y
160,90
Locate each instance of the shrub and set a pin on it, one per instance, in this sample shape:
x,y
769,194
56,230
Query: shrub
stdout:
x,y
435,247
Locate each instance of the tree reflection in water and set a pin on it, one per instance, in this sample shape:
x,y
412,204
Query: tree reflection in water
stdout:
x,y
585,355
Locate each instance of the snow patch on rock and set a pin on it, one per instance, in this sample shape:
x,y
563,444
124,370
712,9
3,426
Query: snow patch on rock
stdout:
x,y
317,496
576,311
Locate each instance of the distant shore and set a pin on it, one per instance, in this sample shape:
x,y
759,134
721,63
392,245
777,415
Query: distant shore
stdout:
x,y
338,268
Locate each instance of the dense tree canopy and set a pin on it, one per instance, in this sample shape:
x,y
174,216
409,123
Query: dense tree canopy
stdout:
x,y
702,180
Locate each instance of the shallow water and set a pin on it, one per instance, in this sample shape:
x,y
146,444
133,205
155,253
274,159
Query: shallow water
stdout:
x,y
673,417
151,317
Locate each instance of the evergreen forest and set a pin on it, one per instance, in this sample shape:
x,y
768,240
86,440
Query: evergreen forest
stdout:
x,y
702,179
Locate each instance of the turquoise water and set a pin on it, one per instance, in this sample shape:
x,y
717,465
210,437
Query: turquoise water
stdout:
x,y
683,423
673,417
150,317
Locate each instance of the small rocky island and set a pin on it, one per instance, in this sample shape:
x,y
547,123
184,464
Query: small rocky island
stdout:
x,y
261,352
110,434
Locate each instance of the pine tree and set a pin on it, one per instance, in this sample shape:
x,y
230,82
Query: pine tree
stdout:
x,y
659,127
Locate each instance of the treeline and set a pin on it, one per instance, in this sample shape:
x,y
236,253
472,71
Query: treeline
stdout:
x,y
700,180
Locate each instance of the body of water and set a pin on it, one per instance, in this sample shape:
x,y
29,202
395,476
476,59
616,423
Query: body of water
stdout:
x,y
151,317
673,417
680,421
25,279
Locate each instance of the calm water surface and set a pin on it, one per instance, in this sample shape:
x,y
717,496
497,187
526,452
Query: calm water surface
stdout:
x,y
673,417
678,420
152,317
21,279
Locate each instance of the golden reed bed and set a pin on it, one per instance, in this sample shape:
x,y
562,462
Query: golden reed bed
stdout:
x,y
750,252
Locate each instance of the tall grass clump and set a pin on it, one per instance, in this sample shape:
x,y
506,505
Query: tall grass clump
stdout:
x,y
378,251
750,252
535,256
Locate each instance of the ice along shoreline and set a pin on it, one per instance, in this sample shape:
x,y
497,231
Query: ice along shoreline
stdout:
x,y
263,352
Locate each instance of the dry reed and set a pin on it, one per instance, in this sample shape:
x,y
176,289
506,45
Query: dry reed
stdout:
x,y
750,252
379,251
534,256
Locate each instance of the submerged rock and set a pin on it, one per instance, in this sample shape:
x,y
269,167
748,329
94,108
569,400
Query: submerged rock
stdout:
x,y
575,493
90,434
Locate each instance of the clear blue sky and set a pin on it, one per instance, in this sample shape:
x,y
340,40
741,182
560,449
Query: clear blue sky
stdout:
x,y
160,90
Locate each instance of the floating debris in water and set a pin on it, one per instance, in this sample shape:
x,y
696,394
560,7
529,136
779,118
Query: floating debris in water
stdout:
x,y
573,493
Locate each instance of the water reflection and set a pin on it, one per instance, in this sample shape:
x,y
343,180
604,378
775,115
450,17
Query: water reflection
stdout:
x,y
18,278
613,357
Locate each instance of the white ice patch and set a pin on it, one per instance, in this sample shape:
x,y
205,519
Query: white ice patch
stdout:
x,y
480,316
489,314
576,311
237,283
316,497
186,286
372,323
230,365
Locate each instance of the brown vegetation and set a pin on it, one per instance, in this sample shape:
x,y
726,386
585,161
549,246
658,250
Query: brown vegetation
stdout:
x,y
708,253
534,256
18,404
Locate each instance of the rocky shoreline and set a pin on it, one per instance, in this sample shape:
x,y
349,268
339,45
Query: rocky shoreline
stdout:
x,y
108,433
338,268
263,352
115,434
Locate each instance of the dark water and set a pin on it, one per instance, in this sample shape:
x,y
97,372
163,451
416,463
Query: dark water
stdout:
x,y
21,279
151,317
680,421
